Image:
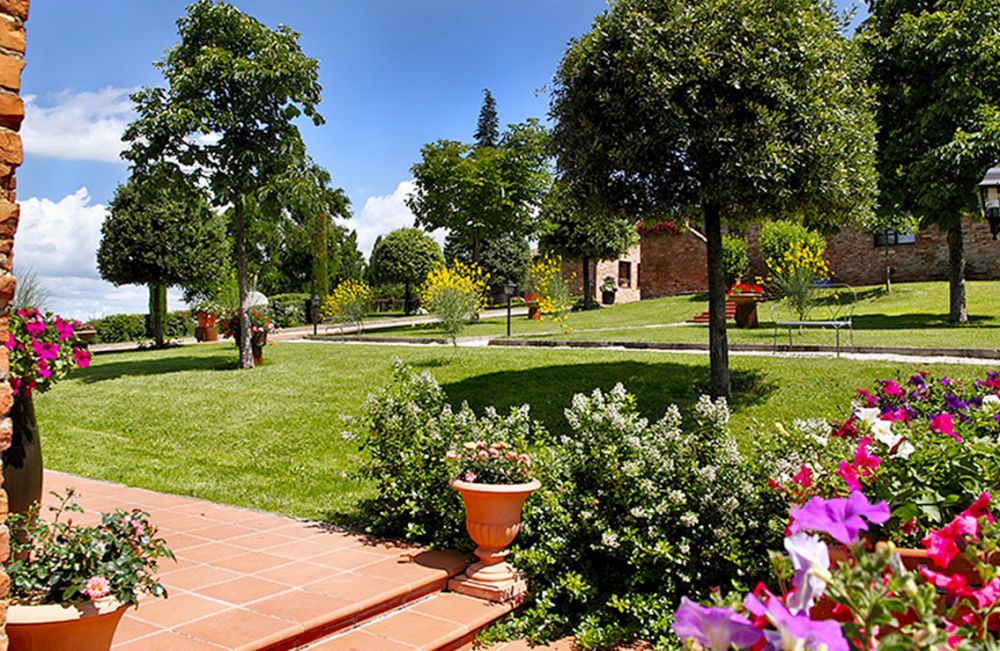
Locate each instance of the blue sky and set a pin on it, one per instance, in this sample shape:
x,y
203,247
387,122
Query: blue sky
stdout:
x,y
396,74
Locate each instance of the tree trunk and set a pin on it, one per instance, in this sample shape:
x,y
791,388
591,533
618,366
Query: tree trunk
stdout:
x,y
239,231
477,245
588,295
956,274
22,461
718,346
407,299
157,312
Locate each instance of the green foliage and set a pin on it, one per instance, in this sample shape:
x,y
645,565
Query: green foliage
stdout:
x,y
405,255
455,295
735,260
488,127
778,238
608,544
52,559
794,257
483,192
290,309
348,304
116,328
502,258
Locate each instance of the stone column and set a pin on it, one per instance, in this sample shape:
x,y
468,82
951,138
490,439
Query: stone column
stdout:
x,y
13,13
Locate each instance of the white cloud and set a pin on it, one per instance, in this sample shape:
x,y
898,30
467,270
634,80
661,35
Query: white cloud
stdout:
x,y
58,240
382,214
83,126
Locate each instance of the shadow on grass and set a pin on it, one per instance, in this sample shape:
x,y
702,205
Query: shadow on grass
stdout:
x,y
155,366
549,389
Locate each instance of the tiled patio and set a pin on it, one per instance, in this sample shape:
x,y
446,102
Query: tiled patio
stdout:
x,y
249,580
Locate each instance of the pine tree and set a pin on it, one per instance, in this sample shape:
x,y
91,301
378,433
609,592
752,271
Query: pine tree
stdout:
x,y
488,130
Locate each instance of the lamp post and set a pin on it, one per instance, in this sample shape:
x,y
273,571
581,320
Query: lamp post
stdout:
x,y
315,313
508,289
989,199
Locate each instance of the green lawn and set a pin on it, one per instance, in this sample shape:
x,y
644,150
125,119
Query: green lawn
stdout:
x,y
185,420
914,314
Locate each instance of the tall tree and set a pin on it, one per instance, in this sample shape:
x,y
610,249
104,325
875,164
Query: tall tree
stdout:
x,y
578,234
405,256
483,192
936,66
723,109
161,231
502,258
242,84
488,128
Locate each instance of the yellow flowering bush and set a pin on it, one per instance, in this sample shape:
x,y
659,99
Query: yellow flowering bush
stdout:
x,y
554,298
454,295
348,303
794,256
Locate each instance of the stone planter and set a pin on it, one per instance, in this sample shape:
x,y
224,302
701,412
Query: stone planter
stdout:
x,y
257,343
493,520
746,309
608,298
84,626
207,329
22,461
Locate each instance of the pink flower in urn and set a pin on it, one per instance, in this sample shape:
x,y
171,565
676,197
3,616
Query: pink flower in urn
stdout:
x,y
469,477
65,330
43,369
35,327
81,357
97,587
45,350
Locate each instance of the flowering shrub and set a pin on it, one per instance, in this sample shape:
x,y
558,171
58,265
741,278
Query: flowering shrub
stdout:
x,y
554,299
260,324
489,463
348,304
667,226
794,257
43,348
866,600
55,561
455,295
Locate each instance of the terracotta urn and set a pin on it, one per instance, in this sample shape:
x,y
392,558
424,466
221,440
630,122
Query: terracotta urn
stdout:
x,y
746,308
207,329
493,520
257,342
83,626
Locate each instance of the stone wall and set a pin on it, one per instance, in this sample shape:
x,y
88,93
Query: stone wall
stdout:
x,y
626,276
673,263
856,260
13,13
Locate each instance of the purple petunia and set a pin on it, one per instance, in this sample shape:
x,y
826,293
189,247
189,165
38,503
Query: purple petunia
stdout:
x,y
825,634
843,518
810,557
714,628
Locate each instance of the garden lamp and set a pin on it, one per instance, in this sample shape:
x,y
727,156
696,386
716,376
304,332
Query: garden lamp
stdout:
x,y
508,289
989,199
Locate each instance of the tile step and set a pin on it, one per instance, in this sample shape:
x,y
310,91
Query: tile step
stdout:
x,y
444,621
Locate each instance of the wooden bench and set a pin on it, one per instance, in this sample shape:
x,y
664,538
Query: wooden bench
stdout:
x,y
836,324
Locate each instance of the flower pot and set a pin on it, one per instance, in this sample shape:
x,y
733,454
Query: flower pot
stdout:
x,y
87,335
84,626
257,342
608,298
207,329
746,309
534,311
493,520
22,461
206,319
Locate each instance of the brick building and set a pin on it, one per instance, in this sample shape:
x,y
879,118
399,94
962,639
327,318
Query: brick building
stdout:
x,y
670,259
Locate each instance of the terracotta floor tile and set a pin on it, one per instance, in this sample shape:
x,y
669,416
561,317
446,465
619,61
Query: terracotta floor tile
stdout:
x,y
358,588
359,641
130,628
408,625
197,577
250,562
299,574
178,541
311,609
176,610
347,559
243,590
210,551
242,629
167,641
260,540
222,531
460,609
401,570
301,549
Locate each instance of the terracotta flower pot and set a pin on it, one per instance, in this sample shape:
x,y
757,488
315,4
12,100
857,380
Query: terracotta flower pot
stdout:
x,y
84,626
493,520
746,309
257,343
534,311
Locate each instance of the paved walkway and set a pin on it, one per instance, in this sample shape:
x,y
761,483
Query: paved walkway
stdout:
x,y
247,580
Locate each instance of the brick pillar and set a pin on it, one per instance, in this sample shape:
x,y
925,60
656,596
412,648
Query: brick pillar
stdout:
x,y
13,13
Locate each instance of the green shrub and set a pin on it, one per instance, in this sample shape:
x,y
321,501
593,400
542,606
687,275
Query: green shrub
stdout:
x,y
117,328
778,238
735,260
631,515
291,309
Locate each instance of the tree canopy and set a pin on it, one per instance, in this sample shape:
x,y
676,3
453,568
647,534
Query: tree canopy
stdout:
x,y
936,67
502,258
483,192
234,90
405,256
742,109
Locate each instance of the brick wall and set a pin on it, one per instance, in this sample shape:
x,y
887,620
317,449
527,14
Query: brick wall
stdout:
x,y
13,13
673,264
854,259
628,284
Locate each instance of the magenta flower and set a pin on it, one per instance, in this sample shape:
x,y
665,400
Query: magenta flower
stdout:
x,y
849,474
843,518
81,357
65,330
891,388
35,327
43,369
97,587
824,634
944,544
714,628
45,350
944,423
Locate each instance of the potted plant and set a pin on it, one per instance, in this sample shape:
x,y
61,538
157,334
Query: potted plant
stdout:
x,y
43,349
534,309
494,481
260,326
746,296
206,313
70,584
608,290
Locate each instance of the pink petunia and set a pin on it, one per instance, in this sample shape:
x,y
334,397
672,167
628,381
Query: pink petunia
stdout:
x,y
45,350
981,507
97,587
35,327
81,357
944,544
43,369
803,477
944,423
891,388
850,476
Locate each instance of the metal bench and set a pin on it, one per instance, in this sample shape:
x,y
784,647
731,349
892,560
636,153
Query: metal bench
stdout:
x,y
836,324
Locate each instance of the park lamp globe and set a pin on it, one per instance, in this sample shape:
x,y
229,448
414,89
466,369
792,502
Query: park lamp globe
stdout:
x,y
989,199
